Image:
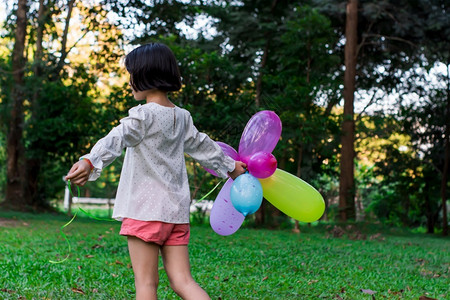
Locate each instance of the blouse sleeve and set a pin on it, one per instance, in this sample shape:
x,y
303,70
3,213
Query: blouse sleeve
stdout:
x,y
128,133
208,153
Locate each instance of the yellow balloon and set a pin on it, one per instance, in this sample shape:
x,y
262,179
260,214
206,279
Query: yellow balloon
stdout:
x,y
293,196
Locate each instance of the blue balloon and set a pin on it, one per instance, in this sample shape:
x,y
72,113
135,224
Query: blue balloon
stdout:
x,y
246,194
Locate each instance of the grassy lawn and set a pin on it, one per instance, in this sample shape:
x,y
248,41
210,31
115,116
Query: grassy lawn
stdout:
x,y
251,264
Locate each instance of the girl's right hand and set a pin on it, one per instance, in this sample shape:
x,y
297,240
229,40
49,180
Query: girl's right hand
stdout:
x,y
79,173
239,169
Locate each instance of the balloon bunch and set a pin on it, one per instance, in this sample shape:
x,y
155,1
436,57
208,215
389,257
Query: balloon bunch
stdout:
x,y
243,196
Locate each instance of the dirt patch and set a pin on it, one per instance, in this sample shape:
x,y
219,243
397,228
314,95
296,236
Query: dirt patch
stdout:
x,y
9,223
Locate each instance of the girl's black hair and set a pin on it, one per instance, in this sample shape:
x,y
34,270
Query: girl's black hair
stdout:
x,y
153,66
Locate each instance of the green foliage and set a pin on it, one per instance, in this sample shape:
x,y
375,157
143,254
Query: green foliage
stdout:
x,y
250,264
3,163
300,84
289,55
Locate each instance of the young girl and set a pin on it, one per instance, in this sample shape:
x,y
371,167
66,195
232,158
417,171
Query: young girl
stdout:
x,y
153,196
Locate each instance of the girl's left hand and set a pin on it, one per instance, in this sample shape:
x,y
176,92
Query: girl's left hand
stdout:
x,y
79,173
239,169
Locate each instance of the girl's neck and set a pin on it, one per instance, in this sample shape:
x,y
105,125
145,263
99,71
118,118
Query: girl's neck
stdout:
x,y
158,97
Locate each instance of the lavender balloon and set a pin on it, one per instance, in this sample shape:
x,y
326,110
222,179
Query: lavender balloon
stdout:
x,y
261,134
227,150
224,218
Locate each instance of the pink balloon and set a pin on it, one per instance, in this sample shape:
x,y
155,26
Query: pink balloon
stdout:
x,y
227,150
224,218
262,164
261,133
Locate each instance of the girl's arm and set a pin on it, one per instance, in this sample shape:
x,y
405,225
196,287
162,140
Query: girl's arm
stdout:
x,y
129,133
208,153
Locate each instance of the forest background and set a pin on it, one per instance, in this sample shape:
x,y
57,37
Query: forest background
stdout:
x,y
362,89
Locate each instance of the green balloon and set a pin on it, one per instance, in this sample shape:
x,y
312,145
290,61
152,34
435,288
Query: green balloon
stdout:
x,y
293,196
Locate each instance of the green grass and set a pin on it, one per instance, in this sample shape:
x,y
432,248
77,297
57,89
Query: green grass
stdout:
x,y
251,264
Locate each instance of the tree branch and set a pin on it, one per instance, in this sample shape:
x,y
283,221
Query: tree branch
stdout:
x,y
393,38
371,101
64,51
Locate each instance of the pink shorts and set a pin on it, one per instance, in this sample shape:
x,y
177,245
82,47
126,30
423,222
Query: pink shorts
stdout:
x,y
157,232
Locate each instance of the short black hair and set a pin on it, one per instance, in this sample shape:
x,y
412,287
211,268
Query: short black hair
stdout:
x,y
153,66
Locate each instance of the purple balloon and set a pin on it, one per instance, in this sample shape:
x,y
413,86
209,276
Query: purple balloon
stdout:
x,y
227,150
262,164
224,218
261,133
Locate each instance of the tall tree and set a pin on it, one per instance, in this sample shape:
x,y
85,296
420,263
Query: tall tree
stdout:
x,y
54,125
16,193
445,169
347,181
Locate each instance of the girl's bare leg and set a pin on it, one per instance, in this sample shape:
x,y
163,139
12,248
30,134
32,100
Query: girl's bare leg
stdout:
x,y
178,269
144,258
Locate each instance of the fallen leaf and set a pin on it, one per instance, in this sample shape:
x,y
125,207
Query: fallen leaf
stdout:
x,y
89,256
119,263
77,290
367,291
265,278
426,298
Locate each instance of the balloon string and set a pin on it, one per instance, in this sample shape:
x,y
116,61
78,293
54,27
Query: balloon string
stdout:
x,y
67,240
82,210
71,220
213,189
94,217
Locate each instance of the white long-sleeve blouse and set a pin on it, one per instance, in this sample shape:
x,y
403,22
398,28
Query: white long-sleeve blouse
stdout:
x,y
153,183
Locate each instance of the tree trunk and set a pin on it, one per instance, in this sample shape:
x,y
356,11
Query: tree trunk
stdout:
x,y
299,173
16,194
428,207
33,165
347,181
446,160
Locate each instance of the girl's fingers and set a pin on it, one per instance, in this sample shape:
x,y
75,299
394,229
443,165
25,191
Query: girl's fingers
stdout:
x,y
80,180
73,173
